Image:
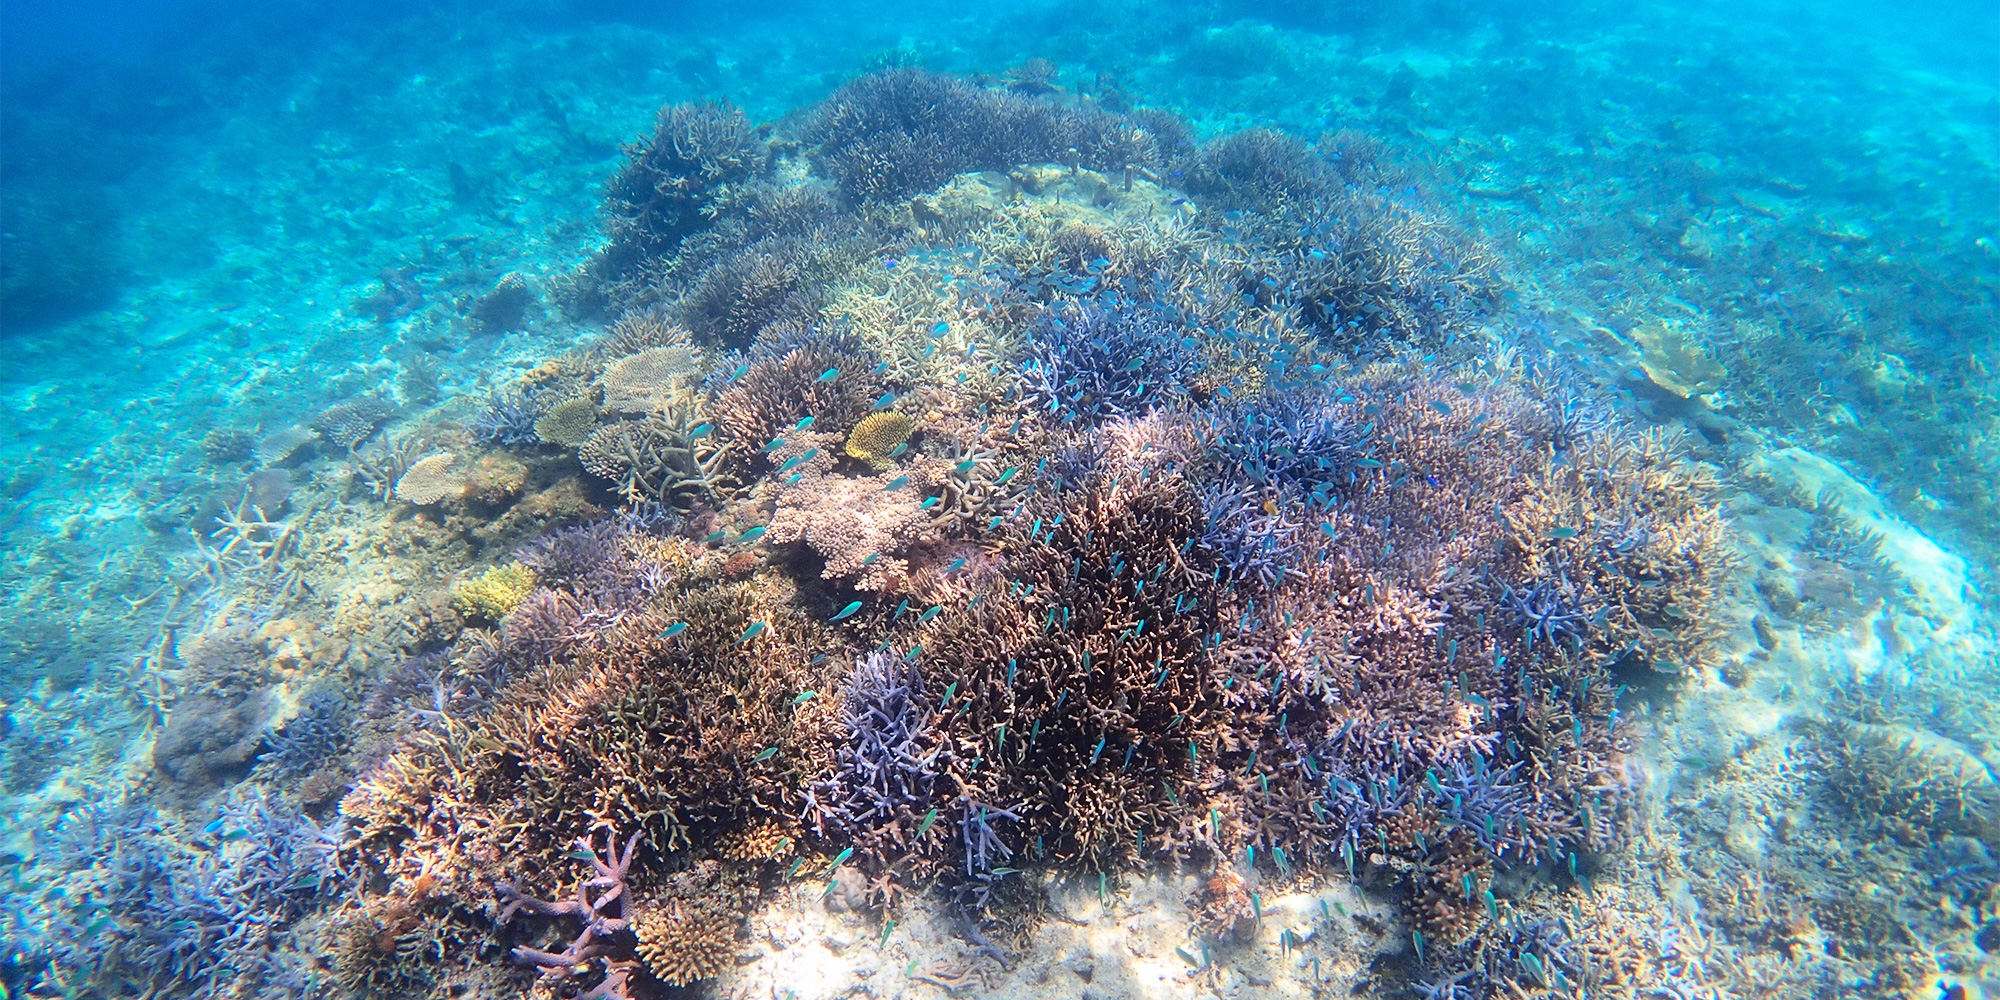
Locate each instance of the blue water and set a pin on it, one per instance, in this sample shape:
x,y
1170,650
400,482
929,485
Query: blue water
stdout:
x,y
254,265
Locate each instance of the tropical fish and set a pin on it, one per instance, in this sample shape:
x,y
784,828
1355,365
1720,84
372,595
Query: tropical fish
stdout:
x,y
846,611
899,449
674,630
925,827
791,462
796,476
1441,406
753,534
828,375
715,537
740,371
840,859
897,483
701,431
884,401
1558,534
960,561
1004,476
932,613
803,424
964,467
756,629
774,445
804,696
928,504
940,329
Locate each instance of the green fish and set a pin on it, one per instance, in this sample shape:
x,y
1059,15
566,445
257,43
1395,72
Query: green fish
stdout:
x,y
776,443
796,476
964,467
804,696
1441,406
925,827
790,464
829,375
756,629
701,431
741,370
766,754
753,534
928,504
899,449
674,630
803,424
1004,476
955,564
897,483
840,859
715,537
846,612
1368,463
1558,534
928,615
884,401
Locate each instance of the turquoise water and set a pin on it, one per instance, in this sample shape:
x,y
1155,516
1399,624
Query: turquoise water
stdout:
x,y
1047,501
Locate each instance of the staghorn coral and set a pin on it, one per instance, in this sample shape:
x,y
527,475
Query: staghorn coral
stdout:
x,y
862,526
1090,363
668,181
657,459
494,593
784,381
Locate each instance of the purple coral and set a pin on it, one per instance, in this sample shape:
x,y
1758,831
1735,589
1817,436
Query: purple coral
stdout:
x,y
601,903
889,767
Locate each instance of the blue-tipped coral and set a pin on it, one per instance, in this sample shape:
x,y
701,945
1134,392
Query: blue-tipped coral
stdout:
x,y
1089,363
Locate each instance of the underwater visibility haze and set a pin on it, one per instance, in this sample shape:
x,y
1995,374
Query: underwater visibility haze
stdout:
x,y
1446,501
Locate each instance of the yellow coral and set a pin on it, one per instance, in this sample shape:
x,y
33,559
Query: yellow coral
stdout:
x,y
878,434
494,593
684,942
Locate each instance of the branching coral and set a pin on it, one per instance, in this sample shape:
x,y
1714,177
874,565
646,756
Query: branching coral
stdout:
x,y
668,180
1089,363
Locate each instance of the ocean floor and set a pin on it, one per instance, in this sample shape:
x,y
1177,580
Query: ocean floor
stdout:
x,y
230,603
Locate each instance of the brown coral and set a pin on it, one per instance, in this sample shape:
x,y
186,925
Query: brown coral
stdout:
x,y
878,434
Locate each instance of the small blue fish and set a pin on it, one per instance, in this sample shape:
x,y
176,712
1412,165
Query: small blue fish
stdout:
x,y
776,443
1558,534
925,826
846,611
884,401
796,476
829,375
1135,364
928,504
897,483
804,696
791,463
1004,476
716,537
766,754
955,564
753,534
674,630
1368,463
701,431
803,424
740,371
881,367
872,556
1441,406
215,827
940,329
756,629
964,467
898,450
934,611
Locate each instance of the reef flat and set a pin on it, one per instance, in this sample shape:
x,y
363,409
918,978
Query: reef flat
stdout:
x,y
986,536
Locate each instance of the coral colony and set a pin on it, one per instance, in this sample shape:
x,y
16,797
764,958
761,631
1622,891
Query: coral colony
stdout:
x,y
1007,491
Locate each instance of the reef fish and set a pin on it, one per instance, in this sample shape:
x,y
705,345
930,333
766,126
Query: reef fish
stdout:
x,y
884,401
829,375
674,630
846,611
756,629
753,534
804,696
803,424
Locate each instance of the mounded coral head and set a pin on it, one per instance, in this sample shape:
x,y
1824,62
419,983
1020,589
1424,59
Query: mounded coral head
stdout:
x,y
494,593
877,434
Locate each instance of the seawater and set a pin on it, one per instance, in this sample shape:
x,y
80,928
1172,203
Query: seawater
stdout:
x,y
338,340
